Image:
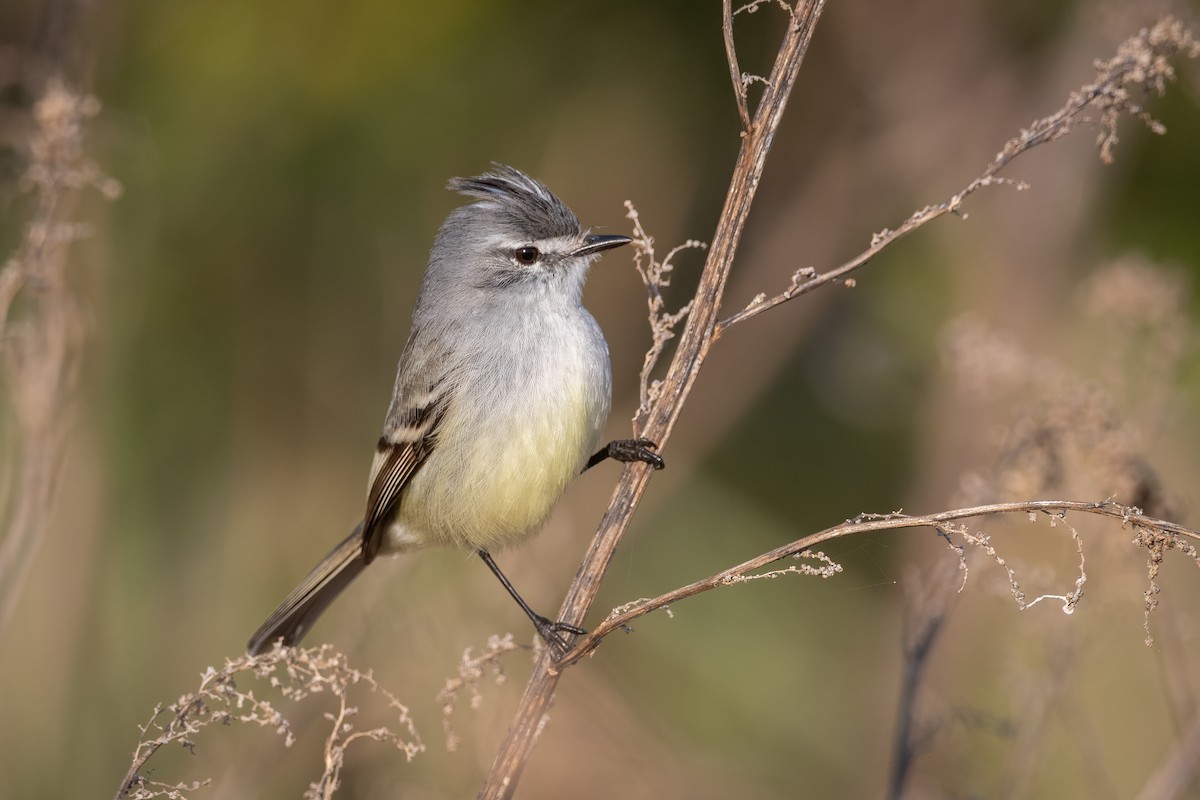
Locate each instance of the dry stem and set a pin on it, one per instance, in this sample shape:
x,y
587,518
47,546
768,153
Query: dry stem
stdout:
x,y
694,344
656,275
1148,529
1142,63
471,671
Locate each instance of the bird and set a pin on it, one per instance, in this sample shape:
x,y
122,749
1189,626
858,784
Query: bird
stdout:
x,y
501,395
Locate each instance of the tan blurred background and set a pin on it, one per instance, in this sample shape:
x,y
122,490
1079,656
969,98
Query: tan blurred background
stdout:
x,y
284,165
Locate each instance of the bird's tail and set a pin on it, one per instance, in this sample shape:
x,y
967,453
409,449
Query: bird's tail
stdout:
x,y
300,609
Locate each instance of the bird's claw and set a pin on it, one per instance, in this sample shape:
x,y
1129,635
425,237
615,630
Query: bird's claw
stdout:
x,y
634,450
549,630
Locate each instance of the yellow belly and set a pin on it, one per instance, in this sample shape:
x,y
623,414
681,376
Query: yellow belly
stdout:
x,y
492,480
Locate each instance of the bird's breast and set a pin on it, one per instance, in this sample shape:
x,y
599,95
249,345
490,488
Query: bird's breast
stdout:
x,y
526,414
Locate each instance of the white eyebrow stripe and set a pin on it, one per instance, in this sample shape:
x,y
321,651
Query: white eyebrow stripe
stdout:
x,y
555,244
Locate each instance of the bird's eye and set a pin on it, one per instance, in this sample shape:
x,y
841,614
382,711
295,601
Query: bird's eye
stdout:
x,y
526,255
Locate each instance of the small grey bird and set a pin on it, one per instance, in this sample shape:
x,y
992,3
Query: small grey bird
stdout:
x,y
501,395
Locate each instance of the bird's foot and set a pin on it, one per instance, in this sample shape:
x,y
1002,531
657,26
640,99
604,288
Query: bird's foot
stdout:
x,y
634,450
551,633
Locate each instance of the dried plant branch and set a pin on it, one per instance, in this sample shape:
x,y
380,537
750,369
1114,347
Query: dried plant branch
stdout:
x,y
41,324
1142,63
735,72
656,275
742,80
1157,543
1150,532
471,671
754,5
1069,600
296,673
697,338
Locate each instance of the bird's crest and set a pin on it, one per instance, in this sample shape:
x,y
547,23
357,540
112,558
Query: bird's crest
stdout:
x,y
520,201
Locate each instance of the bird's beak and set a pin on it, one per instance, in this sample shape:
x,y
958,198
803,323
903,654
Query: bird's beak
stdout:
x,y
595,243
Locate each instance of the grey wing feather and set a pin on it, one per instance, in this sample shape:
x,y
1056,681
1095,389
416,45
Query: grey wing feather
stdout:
x,y
419,403
401,461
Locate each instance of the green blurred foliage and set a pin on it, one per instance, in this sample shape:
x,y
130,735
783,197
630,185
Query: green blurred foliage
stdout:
x,y
284,167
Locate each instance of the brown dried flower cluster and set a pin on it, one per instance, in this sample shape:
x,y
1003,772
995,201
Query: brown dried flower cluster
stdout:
x,y
296,674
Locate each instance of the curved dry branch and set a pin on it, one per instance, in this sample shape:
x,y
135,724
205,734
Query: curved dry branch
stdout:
x,y
1159,529
1142,63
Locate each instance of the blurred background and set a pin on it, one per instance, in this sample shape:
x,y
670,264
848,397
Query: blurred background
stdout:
x,y
284,166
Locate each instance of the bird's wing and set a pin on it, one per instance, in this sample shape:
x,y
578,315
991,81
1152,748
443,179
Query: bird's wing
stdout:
x,y
409,437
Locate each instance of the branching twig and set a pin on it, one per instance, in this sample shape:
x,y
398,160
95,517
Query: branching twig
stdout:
x,y
471,671
1142,62
656,275
1157,543
296,673
1069,600
1163,531
735,72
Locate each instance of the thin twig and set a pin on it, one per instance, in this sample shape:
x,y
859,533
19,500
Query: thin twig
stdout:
x,y
1142,61
878,522
656,275
471,672
735,72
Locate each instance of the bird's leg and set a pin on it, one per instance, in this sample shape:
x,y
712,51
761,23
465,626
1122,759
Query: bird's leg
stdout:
x,y
628,451
546,628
